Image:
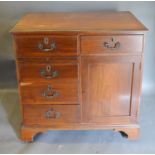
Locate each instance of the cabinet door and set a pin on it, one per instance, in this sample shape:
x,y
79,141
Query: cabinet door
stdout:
x,y
110,88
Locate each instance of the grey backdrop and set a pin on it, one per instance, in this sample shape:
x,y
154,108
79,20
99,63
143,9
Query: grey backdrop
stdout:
x,y
10,13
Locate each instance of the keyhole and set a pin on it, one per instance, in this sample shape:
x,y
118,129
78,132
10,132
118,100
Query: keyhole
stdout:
x,y
48,68
46,40
49,88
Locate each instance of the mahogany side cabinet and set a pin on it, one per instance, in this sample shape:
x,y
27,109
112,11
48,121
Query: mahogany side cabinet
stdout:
x,y
79,71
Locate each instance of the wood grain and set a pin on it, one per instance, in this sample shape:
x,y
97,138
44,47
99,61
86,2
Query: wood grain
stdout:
x,y
79,21
127,43
33,93
33,72
99,58
28,45
28,133
132,133
36,114
107,88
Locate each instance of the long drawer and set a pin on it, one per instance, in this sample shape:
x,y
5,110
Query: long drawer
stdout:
x,y
49,93
55,72
45,45
50,114
111,44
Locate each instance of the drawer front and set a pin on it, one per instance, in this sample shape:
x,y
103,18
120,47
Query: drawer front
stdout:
x,y
49,93
111,44
45,45
48,72
50,114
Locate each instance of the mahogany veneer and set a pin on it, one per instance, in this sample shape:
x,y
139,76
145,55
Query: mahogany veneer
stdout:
x,y
79,71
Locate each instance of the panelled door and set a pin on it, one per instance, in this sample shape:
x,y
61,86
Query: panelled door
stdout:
x,y
110,89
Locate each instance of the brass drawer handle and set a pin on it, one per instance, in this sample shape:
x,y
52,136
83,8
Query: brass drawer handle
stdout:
x,y
51,46
52,114
112,44
48,72
50,93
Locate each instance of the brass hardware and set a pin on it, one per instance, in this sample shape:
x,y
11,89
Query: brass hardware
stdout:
x,y
112,45
51,45
50,93
48,72
45,40
52,114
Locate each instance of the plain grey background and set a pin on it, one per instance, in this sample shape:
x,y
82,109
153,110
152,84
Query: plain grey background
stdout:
x,y
11,12
73,141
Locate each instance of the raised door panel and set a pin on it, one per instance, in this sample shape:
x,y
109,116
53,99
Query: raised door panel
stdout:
x,y
108,91
109,88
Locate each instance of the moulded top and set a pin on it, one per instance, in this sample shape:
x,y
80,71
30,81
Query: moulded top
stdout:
x,y
79,21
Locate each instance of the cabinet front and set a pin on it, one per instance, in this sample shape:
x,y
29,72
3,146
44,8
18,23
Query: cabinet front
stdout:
x,y
110,86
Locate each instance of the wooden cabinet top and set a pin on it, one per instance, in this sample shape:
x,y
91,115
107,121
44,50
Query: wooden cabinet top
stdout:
x,y
79,22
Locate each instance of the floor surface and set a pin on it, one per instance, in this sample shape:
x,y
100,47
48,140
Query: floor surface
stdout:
x,y
73,141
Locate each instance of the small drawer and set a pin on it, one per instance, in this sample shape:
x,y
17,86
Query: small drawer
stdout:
x,y
50,114
48,72
49,93
45,45
111,44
